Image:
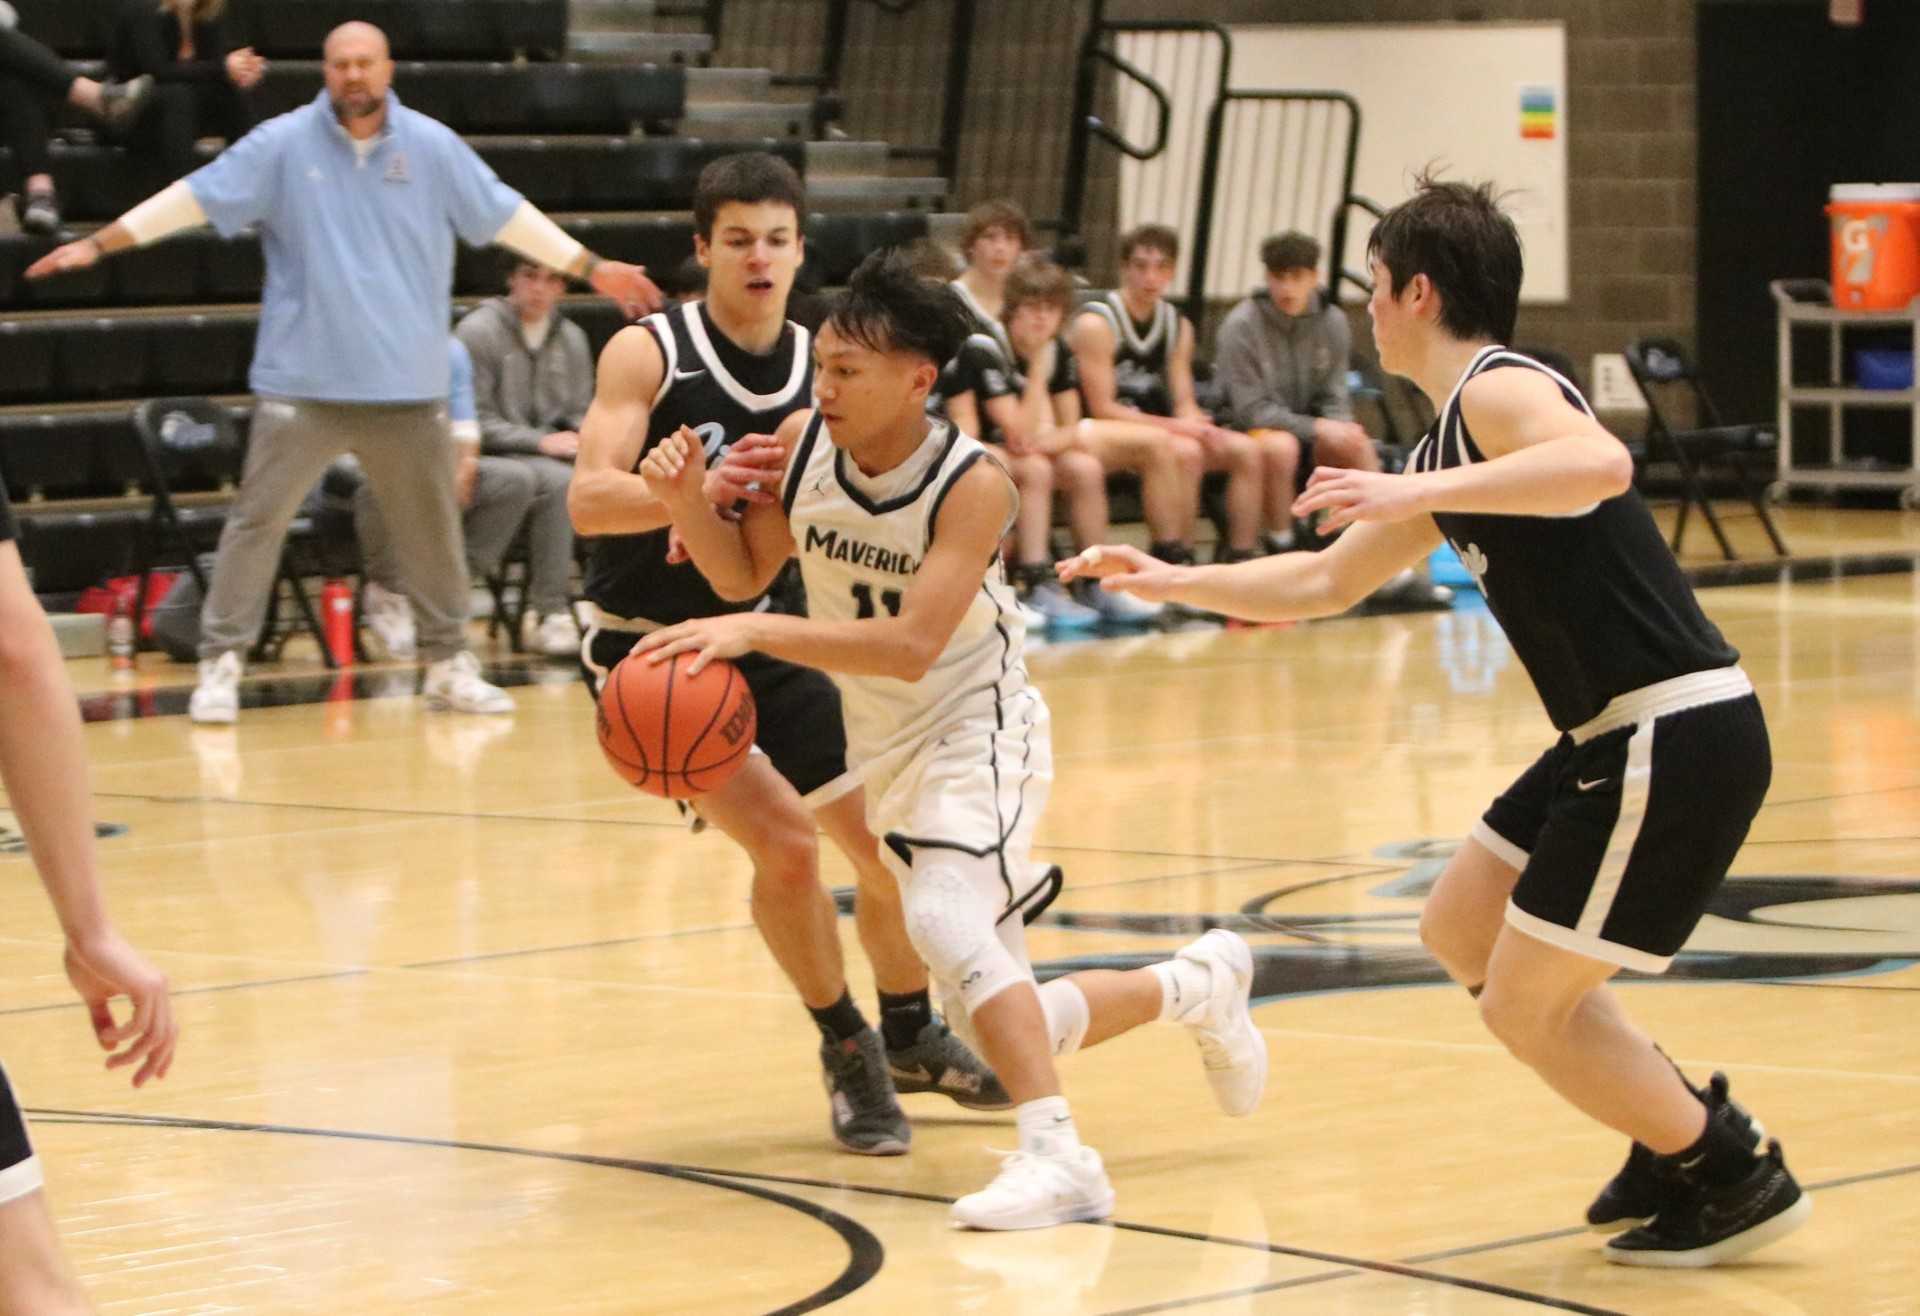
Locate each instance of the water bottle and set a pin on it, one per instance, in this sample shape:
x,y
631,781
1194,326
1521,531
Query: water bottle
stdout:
x,y
120,634
336,613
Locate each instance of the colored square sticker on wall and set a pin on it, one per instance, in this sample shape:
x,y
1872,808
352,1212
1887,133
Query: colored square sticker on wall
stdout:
x,y
1539,112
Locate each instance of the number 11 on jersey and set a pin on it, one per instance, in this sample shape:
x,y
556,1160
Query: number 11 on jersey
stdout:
x,y
863,599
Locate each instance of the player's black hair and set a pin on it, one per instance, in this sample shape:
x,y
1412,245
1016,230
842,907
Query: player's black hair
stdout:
x,y
1458,236
749,177
889,308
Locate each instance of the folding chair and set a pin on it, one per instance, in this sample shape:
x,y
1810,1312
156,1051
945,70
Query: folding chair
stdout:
x,y
191,445
1661,368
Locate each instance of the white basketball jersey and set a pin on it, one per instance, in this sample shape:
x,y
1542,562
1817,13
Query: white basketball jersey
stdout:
x,y
860,543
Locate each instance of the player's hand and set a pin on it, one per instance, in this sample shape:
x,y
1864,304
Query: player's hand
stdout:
x,y
104,966
676,469
627,284
707,639
1124,569
80,255
1349,496
1188,427
750,472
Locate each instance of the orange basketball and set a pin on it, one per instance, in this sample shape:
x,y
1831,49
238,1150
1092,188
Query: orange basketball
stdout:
x,y
671,734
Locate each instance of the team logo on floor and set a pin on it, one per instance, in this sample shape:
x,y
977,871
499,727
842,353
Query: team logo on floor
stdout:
x,y
1757,927
14,841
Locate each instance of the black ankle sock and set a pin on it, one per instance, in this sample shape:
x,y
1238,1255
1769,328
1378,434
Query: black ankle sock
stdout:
x,y
841,1020
902,1017
1719,1156
1168,550
1028,574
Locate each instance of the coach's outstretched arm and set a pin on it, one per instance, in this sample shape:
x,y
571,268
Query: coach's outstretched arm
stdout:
x,y
527,232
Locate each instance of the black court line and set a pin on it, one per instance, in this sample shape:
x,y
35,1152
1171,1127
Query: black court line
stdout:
x,y
578,945
381,811
1844,795
865,1255
1821,986
201,991
1837,840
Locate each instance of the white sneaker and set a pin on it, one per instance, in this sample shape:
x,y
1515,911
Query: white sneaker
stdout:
x,y
557,635
1053,603
1037,1192
389,615
1031,617
1123,609
216,700
455,684
1233,1050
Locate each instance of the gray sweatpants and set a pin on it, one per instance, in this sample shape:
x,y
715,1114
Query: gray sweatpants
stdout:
x,y
549,533
503,490
403,449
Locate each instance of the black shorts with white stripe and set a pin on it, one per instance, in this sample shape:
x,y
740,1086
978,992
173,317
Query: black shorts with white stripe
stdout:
x,y
1623,837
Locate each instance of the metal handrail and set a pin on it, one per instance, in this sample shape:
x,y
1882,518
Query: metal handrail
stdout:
x,y
1098,126
1087,125
1209,180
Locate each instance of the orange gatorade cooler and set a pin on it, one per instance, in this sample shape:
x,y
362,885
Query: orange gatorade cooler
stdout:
x,y
1876,245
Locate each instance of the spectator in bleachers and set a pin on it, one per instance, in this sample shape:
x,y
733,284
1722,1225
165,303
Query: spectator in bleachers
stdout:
x,y
688,282
533,382
358,201
1029,403
32,81
1283,355
1135,353
494,494
201,78
997,235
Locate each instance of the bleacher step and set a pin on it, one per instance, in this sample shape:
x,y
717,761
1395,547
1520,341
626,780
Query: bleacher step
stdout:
x,y
641,47
876,192
621,15
747,120
845,159
728,86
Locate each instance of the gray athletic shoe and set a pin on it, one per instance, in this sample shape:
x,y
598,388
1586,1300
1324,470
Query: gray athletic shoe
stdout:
x,y
867,1118
121,103
940,1062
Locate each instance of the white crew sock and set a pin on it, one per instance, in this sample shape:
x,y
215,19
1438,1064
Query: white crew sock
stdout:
x,y
1046,1127
1184,987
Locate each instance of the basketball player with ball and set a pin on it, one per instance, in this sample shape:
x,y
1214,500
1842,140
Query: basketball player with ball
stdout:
x,y
725,373
897,518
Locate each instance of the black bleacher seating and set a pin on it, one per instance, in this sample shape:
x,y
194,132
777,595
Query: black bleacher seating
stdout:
x,y
202,268
56,359
294,29
479,97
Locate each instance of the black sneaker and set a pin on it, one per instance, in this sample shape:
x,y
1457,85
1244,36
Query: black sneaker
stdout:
x,y
1703,1225
122,103
1634,1195
940,1062
866,1115
39,213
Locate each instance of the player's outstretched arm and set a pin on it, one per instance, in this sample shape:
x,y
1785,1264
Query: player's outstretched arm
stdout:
x,y
972,521
1285,587
1545,457
43,762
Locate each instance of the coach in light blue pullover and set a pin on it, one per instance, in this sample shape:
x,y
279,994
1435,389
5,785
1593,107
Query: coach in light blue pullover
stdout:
x,y
358,201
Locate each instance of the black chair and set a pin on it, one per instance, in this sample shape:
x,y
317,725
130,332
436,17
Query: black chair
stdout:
x,y
1662,369
193,445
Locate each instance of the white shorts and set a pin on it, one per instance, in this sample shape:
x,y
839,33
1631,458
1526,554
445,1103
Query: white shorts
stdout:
x,y
978,787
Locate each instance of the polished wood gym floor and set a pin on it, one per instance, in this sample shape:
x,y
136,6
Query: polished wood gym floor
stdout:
x,y
470,1027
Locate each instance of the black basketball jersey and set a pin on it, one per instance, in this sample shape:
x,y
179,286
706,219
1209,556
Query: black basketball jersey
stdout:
x,y
1592,602
1140,352
952,381
723,393
987,371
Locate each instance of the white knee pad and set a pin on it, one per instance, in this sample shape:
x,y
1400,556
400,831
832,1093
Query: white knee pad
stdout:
x,y
950,922
1065,1006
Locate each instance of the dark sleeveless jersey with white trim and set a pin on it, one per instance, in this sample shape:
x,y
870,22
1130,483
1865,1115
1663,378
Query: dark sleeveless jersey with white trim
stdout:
x,y
1140,353
723,393
1594,602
